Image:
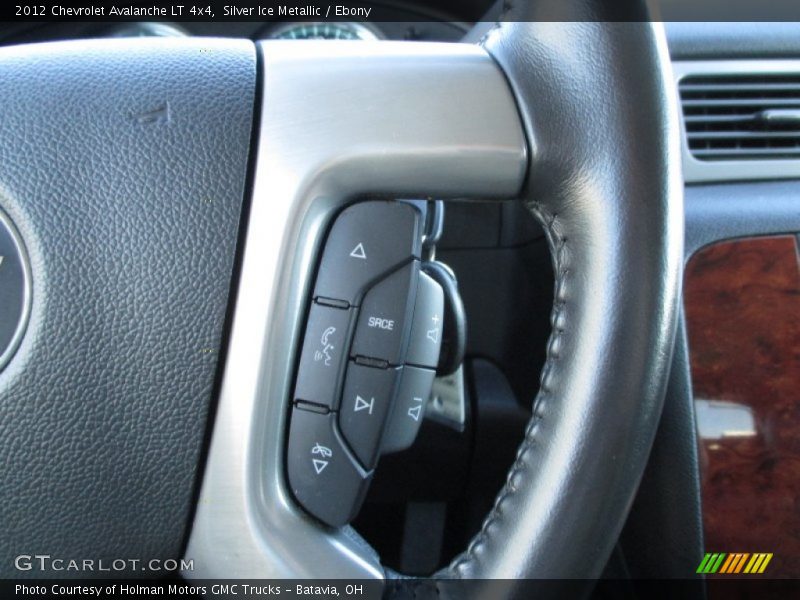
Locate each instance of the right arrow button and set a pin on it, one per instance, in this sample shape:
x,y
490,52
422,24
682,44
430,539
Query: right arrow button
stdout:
x,y
368,394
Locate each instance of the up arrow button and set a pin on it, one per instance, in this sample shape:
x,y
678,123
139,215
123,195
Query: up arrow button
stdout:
x,y
367,241
358,252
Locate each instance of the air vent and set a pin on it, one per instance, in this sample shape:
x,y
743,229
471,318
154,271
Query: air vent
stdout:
x,y
742,116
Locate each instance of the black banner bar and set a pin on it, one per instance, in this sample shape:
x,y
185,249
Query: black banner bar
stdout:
x,y
730,588
375,11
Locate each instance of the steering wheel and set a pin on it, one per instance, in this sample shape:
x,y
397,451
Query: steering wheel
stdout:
x,y
159,335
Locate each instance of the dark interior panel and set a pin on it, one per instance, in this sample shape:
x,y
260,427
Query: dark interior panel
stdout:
x,y
694,40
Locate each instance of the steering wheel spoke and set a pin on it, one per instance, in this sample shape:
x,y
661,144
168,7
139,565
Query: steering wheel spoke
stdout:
x,y
340,121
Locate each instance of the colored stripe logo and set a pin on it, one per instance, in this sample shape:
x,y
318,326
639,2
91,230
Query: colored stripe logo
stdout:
x,y
734,563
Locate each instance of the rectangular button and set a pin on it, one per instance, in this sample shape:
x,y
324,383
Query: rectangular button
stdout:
x,y
367,240
426,327
409,409
383,323
324,355
366,401
322,475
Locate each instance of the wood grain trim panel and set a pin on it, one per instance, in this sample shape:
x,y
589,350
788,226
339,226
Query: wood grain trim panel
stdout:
x,y
742,302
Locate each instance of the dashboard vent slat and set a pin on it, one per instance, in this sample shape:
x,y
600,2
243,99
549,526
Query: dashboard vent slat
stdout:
x,y
731,135
742,116
740,102
740,88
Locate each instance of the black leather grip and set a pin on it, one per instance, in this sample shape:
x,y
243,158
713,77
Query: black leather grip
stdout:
x,y
605,183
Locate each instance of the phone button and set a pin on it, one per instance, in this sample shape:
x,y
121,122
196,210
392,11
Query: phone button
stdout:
x,y
324,355
323,476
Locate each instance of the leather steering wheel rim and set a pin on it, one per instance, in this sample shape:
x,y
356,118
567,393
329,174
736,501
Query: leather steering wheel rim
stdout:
x,y
605,184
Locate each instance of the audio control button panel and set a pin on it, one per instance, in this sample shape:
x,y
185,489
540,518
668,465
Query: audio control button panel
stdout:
x,y
372,307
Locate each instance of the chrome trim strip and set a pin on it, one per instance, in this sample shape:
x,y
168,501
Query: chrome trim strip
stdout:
x,y
27,294
699,171
340,120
